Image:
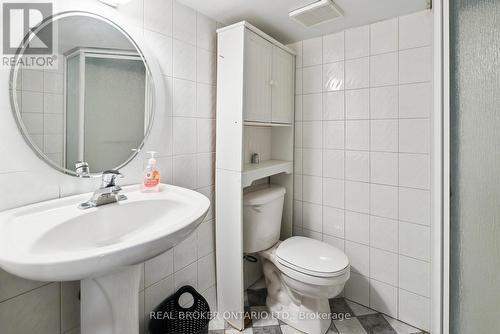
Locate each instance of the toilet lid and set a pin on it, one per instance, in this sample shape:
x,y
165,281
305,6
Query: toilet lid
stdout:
x,y
311,256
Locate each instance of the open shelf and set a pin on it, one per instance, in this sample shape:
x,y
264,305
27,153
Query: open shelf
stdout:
x,y
253,172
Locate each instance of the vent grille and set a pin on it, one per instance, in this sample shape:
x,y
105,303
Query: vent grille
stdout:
x,y
316,13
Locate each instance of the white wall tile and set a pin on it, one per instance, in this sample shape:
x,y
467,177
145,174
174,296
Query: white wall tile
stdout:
x,y
414,170
359,256
415,205
184,135
357,135
206,170
162,48
32,80
312,105
414,276
414,241
415,65
384,201
184,23
384,135
53,103
205,135
357,42
312,51
384,233
37,311
206,37
375,151
205,100
312,217
205,66
333,76
334,241
384,36
384,168
312,134
357,73
333,134
333,192
357,166
13,286
333,47
415,100
206,272
206,238
415,30
333,221
32,102
384,266
184,98
384,102
184,63
357,104
312,162
357,227
53,82
158,16
414,309
384,297
333,163
384,69
333,106
184,171
357,196
311,79
185,252
357,289
312,189
156,293
159,268
414,135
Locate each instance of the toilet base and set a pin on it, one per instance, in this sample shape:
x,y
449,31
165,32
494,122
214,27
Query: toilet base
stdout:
x,y
312,316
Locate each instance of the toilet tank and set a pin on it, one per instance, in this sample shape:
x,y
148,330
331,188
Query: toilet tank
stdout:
x,y
262,211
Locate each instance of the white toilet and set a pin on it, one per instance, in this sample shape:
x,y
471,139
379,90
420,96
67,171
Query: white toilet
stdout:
x,y
301,273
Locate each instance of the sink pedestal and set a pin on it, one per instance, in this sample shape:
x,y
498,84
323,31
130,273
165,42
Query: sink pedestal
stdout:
x,y
110,304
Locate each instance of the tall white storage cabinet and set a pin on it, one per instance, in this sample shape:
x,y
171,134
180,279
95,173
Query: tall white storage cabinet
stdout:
x,y
255,114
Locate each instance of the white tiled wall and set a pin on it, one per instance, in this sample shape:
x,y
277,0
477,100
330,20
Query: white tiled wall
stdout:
x,y
184,42
41,99
364,101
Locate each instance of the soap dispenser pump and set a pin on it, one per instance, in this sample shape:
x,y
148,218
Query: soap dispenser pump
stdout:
x,y
151,181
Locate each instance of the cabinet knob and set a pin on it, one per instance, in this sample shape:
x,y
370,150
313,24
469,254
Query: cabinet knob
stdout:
x,y
273,82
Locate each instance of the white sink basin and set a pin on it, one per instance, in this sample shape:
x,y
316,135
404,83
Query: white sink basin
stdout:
x,y
57,241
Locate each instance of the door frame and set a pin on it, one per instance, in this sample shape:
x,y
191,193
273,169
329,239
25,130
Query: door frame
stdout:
x,y
440,172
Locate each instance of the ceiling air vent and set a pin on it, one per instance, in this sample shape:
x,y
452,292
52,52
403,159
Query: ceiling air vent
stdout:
x,y
318,12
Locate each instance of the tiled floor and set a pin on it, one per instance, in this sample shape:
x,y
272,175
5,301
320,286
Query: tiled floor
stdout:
x,y
352,318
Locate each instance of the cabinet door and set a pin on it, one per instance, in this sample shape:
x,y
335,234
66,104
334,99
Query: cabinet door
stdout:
x,y
282,84
258,70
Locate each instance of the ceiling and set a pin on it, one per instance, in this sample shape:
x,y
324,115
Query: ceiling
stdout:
x,y
272,15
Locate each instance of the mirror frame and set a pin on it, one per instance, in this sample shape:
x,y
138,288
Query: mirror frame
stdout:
x,y
150,63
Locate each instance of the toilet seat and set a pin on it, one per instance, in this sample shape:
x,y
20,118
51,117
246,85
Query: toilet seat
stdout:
x,y
312,257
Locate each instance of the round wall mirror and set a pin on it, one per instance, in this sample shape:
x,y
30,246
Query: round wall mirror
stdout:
x,y
87,104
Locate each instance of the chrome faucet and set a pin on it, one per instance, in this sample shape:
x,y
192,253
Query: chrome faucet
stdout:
x,y
108,193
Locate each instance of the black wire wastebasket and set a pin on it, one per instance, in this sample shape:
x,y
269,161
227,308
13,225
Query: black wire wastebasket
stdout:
x,y
172,318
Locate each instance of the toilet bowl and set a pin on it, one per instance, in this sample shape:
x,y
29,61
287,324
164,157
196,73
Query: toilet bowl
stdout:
x,y
301,273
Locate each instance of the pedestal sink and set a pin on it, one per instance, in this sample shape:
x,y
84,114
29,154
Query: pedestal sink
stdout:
x,y
102,247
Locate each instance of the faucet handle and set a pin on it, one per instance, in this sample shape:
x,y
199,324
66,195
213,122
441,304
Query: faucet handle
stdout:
x,y
109,178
